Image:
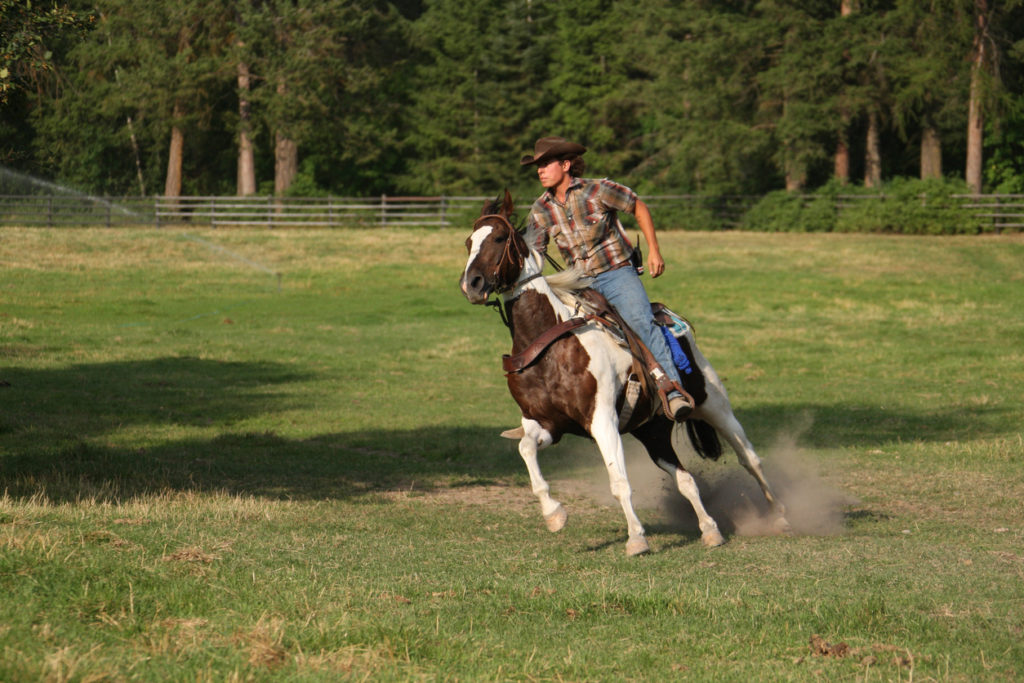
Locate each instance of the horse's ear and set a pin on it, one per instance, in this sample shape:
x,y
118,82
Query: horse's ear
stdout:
x,y
488,207
498,206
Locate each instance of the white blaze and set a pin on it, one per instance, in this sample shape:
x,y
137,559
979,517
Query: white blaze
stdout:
x,y
476,241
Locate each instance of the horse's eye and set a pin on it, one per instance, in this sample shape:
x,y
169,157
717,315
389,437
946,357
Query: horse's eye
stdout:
x,y
500,239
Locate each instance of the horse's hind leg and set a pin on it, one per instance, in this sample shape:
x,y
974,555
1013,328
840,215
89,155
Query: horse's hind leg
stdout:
x,y
534,438
717,411
656,436
725,422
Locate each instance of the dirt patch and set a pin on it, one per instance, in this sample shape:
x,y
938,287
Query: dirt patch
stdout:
x,y
819,646
503,495
491,495
191,554
263,643
868,656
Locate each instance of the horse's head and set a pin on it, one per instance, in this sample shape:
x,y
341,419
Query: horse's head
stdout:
x,y
496,253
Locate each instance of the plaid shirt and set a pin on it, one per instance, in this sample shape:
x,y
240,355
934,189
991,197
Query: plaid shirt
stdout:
x,y
586,226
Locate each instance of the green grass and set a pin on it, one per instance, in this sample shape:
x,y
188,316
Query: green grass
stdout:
x,y
209,472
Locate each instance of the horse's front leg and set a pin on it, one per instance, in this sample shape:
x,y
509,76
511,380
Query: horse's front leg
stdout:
x,y
534,438
605,430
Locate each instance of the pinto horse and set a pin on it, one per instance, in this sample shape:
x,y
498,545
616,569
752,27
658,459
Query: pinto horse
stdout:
x,y
578,383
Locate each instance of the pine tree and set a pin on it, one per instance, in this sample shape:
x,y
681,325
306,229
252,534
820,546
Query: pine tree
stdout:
x,y
135,93
930,83
697,125
315,70
167,62
801,85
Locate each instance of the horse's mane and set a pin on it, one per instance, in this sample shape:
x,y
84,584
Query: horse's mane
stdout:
x,y
568,281
565,284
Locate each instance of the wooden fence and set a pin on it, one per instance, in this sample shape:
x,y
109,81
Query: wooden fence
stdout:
x,y
994,213
1002,211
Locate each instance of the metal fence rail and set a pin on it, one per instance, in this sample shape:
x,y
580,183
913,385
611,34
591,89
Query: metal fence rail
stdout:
x,y
723,211
383,211
272,212
65,210
993,213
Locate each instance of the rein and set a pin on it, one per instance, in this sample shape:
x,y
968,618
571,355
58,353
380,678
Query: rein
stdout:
x,y
507,255
514,254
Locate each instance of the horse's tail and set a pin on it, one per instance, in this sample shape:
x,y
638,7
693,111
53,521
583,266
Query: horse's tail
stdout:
x,y
704,439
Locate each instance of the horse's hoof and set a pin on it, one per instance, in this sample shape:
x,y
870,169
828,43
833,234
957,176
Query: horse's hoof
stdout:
x,y
782,527
712,538
517,433
556,520
637,546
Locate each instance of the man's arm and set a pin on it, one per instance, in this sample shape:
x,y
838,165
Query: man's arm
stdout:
x,y
655,263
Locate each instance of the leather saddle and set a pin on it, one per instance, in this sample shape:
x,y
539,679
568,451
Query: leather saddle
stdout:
x,y
646,371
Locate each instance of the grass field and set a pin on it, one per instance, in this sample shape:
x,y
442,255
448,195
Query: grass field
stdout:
x,y
275,455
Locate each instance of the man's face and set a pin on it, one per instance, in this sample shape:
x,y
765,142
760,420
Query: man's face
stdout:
x,y
552,173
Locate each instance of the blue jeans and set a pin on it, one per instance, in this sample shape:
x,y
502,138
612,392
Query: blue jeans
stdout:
x,y
624,290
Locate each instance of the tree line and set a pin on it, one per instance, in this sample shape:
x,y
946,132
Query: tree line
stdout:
x,y
364,97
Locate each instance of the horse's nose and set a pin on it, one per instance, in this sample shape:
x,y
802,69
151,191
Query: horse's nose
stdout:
x,y
474,287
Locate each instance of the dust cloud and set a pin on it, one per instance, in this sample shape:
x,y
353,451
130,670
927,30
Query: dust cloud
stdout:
x,y
730,494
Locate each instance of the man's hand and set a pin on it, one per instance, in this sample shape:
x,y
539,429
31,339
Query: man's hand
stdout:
x,y
655,264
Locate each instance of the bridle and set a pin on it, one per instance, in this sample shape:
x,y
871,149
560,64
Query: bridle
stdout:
x,y
512,254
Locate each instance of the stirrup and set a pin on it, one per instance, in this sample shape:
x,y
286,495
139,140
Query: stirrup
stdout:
x,y
676,402
680,406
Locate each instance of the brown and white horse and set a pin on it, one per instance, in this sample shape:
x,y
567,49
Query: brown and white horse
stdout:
x,y
578,383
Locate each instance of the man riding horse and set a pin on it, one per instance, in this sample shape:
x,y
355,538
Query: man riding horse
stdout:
x,y
582,217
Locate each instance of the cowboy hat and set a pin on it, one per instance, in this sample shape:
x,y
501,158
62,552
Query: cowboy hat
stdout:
x,y
552,148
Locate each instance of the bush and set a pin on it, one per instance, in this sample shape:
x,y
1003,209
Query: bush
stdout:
x,y
783,211
692,214
778,211
909,207
903,206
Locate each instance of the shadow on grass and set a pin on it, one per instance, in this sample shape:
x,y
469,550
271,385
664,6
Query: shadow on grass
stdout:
x,y
53,424
844,426
260,464
91,399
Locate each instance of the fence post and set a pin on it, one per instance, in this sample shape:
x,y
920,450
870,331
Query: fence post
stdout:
x,y
383,211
